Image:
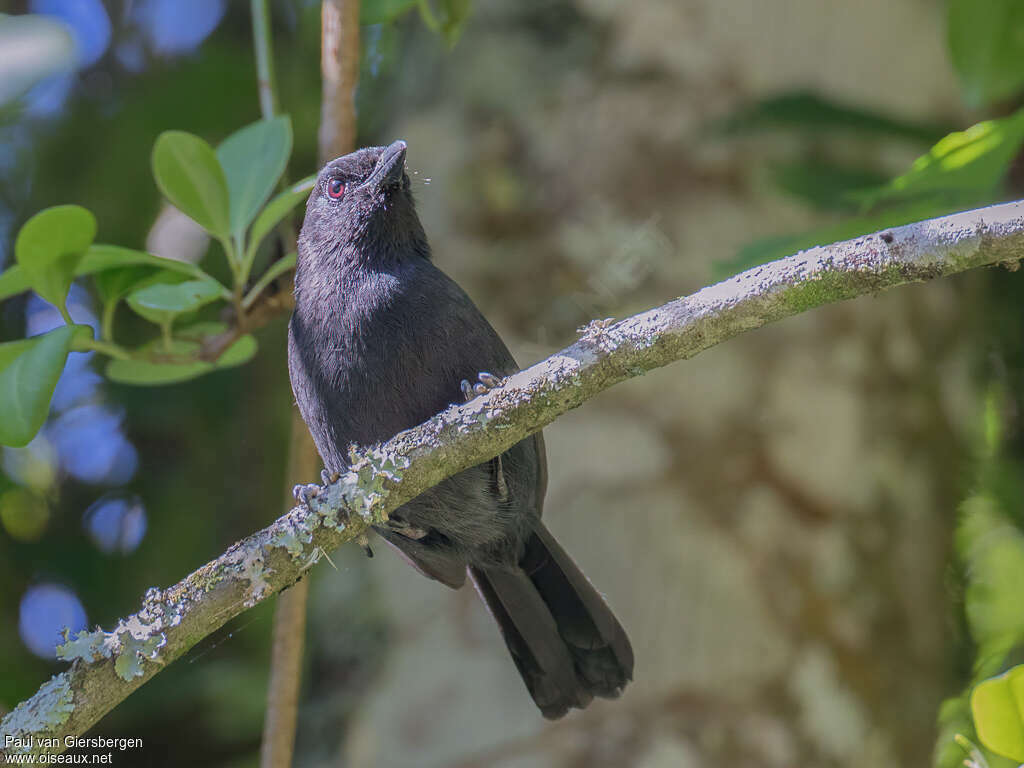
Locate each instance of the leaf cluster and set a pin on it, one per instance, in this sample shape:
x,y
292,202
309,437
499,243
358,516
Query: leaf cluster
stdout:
x,y
226,191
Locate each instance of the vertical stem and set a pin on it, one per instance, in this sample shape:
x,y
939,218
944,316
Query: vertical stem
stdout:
x,y
264,58
107,321
289,634
165,333
339,64
340,67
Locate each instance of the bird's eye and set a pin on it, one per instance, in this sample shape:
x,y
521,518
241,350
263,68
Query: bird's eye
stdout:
x,y
335,189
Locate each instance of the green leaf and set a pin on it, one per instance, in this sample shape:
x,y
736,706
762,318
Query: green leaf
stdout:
x,y
115,284
974,160
804,111
993,551
242,351
986,43
276,210
154,373
35,47
162,302
198,331
98,259
13,281
29,370
383,11
190,177
454,14
102,257
998,708
253,159
142,373
49,247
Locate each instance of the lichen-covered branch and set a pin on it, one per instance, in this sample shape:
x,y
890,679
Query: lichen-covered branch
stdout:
x,y
107,666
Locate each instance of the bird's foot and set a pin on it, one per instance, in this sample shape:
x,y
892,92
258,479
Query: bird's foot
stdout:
x,y
326,478
486,382
303,492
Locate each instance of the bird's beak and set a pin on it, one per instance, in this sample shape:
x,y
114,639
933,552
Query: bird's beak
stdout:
x,y
390,167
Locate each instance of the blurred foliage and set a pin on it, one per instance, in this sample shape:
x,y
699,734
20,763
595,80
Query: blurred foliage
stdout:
x,y
990,545
987,48
961,170
447,20
812,114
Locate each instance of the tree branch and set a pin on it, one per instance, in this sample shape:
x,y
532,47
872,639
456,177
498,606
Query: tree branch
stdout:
x,y
107,666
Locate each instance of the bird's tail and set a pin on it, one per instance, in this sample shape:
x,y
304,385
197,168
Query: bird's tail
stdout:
x,y
564,639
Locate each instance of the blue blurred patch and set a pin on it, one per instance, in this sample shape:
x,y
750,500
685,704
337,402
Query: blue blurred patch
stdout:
x,y
131,55
90,29
116,522
90,445
90,25
178,26
45,610
47,97
41,316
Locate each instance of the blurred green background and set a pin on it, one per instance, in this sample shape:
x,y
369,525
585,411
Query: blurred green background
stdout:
x,y
814,534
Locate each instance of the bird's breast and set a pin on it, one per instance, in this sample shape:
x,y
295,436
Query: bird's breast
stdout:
x,y
369,362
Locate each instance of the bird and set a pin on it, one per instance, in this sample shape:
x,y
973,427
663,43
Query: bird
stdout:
x,y
381,340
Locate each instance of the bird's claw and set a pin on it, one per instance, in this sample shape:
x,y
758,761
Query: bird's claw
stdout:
x,y
487,382
304,492
326,478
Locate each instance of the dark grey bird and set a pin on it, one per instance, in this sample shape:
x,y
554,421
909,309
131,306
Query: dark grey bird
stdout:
x,y
380,341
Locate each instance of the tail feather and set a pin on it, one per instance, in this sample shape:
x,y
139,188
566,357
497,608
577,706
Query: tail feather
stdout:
x,y
565,641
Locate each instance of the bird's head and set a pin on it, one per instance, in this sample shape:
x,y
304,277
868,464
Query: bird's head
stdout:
x,y
361,208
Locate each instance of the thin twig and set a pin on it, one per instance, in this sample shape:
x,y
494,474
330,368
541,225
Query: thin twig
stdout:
x,y
110,665
263,45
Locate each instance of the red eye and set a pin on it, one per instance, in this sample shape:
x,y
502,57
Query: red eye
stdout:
x,y
335,189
